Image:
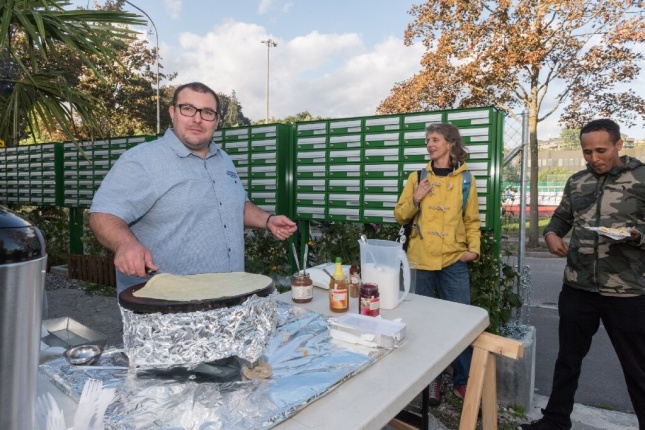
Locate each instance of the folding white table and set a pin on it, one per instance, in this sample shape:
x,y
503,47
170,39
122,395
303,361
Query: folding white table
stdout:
x,y
437,332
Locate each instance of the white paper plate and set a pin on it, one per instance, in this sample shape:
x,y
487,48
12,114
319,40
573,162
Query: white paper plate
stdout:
x,y
609,235
320,279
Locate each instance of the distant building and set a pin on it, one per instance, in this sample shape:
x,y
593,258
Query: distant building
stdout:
x,y
574,161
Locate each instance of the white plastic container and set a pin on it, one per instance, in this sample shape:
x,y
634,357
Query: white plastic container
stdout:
x,y
384,333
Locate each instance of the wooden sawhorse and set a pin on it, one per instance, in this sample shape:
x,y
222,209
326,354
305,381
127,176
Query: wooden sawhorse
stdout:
x,y
482,384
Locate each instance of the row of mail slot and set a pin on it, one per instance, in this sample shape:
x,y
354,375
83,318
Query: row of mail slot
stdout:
x,y
366,170
349,200
412,121
27,158
92,158
255,132
354,214
481,135
372,155
367,155
478,135
246,146
27,174
366,185
49,200
10,184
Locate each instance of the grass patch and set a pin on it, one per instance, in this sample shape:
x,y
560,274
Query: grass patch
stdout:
x,y
98,290
449,411
512,225
605,407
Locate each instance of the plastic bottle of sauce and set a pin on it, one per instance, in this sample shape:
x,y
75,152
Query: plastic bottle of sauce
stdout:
x,y
354,274
302,288
338,292
369,301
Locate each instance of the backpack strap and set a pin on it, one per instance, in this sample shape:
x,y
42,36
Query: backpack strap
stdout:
x,y
467,179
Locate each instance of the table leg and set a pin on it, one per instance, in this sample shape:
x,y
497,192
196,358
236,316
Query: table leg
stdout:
x,y
425,408
406,420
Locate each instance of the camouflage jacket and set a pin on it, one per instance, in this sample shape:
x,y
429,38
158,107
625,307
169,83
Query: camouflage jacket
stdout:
x,y
616,199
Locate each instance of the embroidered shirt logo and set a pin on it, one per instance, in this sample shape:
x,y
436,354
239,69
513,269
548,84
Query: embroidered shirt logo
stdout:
x,y
232,174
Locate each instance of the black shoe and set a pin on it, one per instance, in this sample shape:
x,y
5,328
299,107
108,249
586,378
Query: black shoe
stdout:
x,y
541,424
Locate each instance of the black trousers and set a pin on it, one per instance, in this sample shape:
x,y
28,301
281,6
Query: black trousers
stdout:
x,y
580,315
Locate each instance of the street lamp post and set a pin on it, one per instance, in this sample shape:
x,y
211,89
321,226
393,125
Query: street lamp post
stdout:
x,y
157,57
270,44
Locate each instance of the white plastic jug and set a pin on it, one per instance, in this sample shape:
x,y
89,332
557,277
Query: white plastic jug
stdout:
x,y
381,262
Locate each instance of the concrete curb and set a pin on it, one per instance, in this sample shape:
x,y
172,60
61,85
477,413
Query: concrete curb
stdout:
x,y
587,417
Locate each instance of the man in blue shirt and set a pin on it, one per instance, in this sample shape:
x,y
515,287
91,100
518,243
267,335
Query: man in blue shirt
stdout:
x,y
176,204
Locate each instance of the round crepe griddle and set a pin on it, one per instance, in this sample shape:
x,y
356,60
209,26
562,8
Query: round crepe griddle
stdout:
x,y
148,305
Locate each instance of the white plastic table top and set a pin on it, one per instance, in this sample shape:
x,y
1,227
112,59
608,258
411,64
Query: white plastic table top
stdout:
x,y
437,331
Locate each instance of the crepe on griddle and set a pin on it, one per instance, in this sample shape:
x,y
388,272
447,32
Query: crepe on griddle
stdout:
x,y
205,286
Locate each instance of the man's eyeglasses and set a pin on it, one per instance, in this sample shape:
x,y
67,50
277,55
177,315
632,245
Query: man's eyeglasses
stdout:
x,y
205,114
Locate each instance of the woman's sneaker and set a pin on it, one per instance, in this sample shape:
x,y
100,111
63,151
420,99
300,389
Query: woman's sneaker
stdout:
x,y
460,391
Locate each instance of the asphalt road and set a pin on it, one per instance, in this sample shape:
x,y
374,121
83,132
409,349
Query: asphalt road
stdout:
x,y
601,383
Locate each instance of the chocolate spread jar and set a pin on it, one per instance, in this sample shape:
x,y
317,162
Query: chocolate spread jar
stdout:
x,y
302,288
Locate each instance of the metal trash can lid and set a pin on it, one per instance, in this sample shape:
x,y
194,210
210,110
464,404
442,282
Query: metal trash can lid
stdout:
x,y
19,239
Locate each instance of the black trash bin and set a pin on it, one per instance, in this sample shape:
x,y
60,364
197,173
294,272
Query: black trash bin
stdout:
x,y
23,263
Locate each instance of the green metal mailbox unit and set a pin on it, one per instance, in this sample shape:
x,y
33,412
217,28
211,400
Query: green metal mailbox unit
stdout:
x,y
84,171
347,169
354,169
262,159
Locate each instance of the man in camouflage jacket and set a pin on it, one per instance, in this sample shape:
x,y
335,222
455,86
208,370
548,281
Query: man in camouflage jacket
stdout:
x,y
604,279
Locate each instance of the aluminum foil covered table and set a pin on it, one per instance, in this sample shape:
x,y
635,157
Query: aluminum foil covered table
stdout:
x,y
306,364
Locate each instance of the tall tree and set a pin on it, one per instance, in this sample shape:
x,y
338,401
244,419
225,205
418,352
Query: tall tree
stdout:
x,y
537,55
33,90
303,116
232,111
569,138
128,93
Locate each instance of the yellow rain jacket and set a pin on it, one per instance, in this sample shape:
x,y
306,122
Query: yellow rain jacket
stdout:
x,y
447,233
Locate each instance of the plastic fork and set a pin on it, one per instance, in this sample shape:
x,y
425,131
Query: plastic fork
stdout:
x,y
87,404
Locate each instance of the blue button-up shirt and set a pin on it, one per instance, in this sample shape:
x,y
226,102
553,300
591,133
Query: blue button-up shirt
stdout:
x,y
188,211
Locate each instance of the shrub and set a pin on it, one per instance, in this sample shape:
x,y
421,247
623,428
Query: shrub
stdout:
x,y
493,284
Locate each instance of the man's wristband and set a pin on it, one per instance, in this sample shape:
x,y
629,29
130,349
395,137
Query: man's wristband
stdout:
x,y
267,223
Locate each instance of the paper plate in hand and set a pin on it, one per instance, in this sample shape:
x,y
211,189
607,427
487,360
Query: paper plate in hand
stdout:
x,y
612,233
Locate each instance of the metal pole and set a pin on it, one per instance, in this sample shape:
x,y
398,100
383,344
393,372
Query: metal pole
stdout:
x,y
157,57
522,227
269,43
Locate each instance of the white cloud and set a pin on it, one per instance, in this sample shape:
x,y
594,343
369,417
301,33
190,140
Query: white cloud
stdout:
x,y
286,7
264,6
173,8
330,75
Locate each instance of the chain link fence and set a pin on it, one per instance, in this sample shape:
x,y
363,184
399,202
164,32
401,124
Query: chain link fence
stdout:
x,y
513,135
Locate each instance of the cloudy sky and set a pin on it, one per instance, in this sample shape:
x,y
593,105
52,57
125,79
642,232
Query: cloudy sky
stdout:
x,y
333,58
